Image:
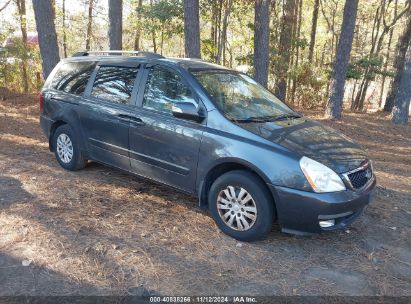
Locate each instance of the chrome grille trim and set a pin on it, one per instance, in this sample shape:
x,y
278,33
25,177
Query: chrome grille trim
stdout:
x,y
365,166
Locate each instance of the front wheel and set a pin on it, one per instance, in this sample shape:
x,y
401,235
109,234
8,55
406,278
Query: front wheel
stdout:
x,y
241,205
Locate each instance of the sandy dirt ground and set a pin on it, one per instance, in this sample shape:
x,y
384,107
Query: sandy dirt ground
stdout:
x,y
100,231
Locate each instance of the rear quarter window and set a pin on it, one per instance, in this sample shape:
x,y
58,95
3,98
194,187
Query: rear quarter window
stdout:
x,y
72,77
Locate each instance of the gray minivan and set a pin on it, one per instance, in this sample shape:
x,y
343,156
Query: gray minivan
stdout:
x,y
208,131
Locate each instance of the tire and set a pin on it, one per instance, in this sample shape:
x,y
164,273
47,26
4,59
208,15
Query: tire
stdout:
x,y
261,201
65,135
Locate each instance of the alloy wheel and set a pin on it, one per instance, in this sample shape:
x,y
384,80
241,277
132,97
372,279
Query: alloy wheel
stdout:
x,y
64,148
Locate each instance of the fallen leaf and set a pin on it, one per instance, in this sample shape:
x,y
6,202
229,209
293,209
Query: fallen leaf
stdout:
x,y
26,263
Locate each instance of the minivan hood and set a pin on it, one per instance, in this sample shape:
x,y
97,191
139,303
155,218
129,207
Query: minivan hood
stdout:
x,y
312,139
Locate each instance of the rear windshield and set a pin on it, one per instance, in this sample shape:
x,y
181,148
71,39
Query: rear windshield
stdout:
x,y
72,77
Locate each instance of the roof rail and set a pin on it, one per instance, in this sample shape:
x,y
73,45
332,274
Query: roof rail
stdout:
x,y
108,53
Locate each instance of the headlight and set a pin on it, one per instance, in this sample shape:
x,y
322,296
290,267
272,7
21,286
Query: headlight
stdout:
x,y
320,177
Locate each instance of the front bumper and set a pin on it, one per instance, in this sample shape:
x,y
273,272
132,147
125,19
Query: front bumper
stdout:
x,y
299,212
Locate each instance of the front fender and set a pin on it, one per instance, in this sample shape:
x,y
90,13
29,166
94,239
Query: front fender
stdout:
x,y
274,165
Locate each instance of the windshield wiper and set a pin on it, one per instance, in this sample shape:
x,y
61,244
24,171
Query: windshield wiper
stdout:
x,y
268,118
249,119
286,116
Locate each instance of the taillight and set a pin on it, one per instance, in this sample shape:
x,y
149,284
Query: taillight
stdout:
x,y
41,102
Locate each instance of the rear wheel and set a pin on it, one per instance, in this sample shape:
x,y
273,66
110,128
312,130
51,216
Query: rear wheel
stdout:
x,y
241,205
67,149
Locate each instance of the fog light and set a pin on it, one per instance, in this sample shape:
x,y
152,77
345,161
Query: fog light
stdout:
x,y
327,223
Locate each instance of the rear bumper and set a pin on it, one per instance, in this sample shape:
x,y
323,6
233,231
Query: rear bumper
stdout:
x,y
45,124
300,212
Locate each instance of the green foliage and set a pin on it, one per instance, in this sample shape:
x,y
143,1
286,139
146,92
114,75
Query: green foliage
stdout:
x,y
208,48
12,59
366,67
353,72
164,13
312,82
374,62
302,43
246,59
164,10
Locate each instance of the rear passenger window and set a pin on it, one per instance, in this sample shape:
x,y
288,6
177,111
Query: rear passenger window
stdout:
x,y
72,77
114,84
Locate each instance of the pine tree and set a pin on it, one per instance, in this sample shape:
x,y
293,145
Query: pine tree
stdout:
x,y
342,57
192,29
115,28
261,40
49,51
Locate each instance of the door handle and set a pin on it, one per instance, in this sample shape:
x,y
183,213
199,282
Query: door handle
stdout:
x,y
134,120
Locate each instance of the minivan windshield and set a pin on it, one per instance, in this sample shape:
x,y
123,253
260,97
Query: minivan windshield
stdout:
x,y
241,98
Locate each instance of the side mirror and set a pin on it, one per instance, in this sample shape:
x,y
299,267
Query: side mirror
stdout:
x,y
187,110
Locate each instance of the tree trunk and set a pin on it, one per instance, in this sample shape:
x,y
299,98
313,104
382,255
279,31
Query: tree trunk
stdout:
x,y
399,63
313,30
230,51
89,24
192,29
64,30
275,29
115,29
290,80
21,6
362,92
387,55
285,49
153,33
53,7
137,35
219,14
334,105
213,33
387,58
360,105
43,13
153,37
353,93
402,98
223,34
297,51
261,41
162,39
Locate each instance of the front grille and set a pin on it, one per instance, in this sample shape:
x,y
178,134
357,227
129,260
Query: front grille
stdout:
x,y
359,178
